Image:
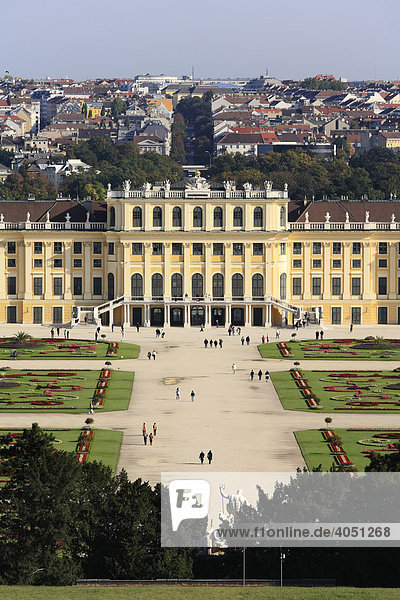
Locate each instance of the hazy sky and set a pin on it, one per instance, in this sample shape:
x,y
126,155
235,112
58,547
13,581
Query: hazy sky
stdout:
x,y
357,39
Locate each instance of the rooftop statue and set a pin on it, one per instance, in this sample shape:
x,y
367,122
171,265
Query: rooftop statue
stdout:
x,y
126,186
198,183
247,187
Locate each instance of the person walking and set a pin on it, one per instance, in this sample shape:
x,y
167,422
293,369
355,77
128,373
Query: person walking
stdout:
x,y
151,439
122,329
201,457
259,375
215,343
144,428
251,375
91,411
242,340
321,335
248,340
220,343
154,429
149,355
154,354
263,339
211,342
266,376
233,368
58,332
229,331
145,436
267,338
209,457
205,343
351,327
277,334
138,327
317,335
112,327
192,396
177,394
52,333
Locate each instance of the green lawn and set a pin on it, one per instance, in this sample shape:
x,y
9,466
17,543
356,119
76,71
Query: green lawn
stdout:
x,y
315,449
195,593
58,348
335,350
33,388
292,397
105,446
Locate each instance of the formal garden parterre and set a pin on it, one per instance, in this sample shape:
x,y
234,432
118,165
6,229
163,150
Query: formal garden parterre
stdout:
x,y
345,449
23,346
343,391
87,444
51,390
371,348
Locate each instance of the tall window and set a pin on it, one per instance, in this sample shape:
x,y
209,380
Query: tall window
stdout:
x,y
237,286
218,286
112,217
177,217
282,216
218,218
11,286
356,286
316,286
197,285
37,286
176,285
157,286
57,286
317,248
157,217
110,287
296,286
137,217
282,285
137,286
97,286
336,315
336,286
258,217
237,217
382,286
77,285
257,284
197,217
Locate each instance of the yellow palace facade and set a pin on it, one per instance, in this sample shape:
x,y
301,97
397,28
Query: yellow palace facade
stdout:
x,y
193,253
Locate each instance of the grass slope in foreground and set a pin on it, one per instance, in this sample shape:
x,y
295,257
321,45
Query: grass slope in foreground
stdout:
x,y
72,349
344,349
71,391
196,593
351,391
104,447
316,449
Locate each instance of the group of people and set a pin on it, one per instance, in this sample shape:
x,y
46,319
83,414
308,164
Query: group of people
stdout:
x,y
178,394
259,375
231,330
212,343
247,340
265,339
152,354
160,333
149,436
319,335
66,333
209,457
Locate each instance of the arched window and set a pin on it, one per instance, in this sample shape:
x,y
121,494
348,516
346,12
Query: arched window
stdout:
x,y
137,217
137,286
157,286
283,217
282,286
110,286
257,285
218,286
197,285
237,286
112,217
177,217
176,285
237,217
218,218
258,216
197,217
157,217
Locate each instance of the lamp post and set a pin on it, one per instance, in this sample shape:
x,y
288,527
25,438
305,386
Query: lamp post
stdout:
x,y
209,157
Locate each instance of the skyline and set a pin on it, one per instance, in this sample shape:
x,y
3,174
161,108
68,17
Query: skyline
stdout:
x,y
134,39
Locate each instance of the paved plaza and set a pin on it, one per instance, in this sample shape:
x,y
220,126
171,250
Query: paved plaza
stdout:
x,y
242,422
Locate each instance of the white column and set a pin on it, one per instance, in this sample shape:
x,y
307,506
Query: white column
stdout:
x,y
367,294
326,294
186,322
346,271
147,272
111,316
68,270
207,274
87,271
267,276
186,269
28,270
2,270
247,321
228,274
166,315
247,271
229,314
167,273
47,271
126,260
392,270
306,271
